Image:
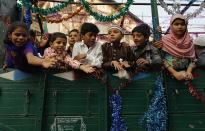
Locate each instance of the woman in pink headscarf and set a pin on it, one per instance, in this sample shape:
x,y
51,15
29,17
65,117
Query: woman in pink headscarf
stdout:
x,y
179,49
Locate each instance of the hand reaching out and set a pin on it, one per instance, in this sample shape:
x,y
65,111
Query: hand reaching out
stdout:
x,y
125,64
87,68
142,62
117,65
49,62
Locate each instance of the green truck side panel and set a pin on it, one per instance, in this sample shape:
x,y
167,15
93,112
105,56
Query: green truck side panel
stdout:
x,y
48,103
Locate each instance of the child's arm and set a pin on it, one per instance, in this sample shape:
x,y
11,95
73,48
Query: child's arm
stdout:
x,y
46,62
73,63
181,75
76,65
189,71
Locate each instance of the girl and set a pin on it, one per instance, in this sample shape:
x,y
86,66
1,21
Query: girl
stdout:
x,y
179,49
57,48
20,52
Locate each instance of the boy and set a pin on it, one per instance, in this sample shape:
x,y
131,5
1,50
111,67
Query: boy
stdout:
x,y
73,37
88,51
146,55
117,55
199,45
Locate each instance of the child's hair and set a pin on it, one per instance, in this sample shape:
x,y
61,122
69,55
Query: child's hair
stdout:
x,y
89,27
142,28
73,30
56,35
32,33
12,28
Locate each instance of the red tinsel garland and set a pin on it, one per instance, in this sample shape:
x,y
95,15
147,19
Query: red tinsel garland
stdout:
x,y
193,91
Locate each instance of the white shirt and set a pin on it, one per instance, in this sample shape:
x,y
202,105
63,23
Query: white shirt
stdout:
x,y
94,53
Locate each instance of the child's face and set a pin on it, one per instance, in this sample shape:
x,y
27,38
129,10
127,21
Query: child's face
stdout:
x,y
138,38
73,37
179,27
89,38
115,35
19,36
59,44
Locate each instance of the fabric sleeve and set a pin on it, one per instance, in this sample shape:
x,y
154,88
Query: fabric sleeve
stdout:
x,y
73,63
28,49
8,59
96,60
105,53
75,50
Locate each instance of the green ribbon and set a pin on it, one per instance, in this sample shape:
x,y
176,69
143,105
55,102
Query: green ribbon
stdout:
x,y
46,12
85,4
103,18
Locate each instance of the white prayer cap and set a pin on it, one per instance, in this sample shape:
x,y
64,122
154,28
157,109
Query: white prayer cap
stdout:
x,y
116,27
200,41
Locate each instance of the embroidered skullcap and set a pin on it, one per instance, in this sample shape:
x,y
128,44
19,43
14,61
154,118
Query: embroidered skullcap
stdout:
x,y
116,27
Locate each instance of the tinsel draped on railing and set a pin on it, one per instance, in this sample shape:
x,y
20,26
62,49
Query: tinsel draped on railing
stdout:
x,y
84,3
57,18
103,18
176,9
27,17
116,107
41,11
194,92
155,119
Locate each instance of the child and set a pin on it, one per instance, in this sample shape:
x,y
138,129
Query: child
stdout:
x,y
179,49
73,37
146,55
117,55
44,43
57,48
88,51
20,52
199,45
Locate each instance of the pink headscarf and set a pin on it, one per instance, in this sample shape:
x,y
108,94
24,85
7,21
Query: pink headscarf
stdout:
x,y
178,47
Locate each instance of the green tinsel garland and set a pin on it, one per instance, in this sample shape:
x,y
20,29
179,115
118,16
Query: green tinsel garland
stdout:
x,y
41,11
85,4
103,18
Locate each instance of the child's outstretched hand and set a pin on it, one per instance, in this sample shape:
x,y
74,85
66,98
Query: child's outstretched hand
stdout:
x,y
142,62
125,64
117,65
87,68
49,62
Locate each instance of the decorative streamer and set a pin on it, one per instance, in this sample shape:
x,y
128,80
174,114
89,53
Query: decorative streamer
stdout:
x,y
156,116
41,11
193,91
115,104
57,18
177,6
27,18
103,18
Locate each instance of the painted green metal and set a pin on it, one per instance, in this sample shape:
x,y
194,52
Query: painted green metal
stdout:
x,y
45,102
155,18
